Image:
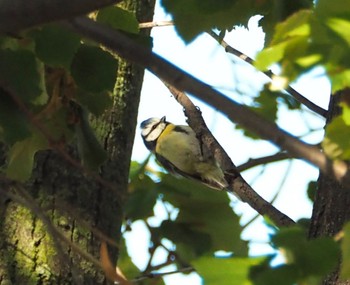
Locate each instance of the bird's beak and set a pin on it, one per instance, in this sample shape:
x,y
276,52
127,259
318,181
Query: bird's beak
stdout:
x,y
163,119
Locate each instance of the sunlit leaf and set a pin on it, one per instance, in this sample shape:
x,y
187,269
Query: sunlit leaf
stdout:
x,y
94,69
340,78
336,143
341,27
296,25
230,271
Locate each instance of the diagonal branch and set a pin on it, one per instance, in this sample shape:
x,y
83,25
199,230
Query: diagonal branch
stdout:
x,y
237,184
16,15
263,160
229,49
236,112
300,98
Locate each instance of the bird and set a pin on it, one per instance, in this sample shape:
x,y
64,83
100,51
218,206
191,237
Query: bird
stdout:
x,y
178,150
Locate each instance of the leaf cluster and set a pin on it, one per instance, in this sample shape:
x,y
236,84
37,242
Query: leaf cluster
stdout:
x,y
51,81
204,224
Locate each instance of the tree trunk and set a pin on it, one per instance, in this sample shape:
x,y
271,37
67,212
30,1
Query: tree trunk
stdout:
x,y
76,204
331,207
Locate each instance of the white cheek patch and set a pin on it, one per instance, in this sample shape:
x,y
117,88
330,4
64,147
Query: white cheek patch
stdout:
x,y
154,134
152,129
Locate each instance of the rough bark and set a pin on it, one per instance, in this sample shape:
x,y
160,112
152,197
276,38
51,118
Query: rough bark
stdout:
x,y
72,199
331,207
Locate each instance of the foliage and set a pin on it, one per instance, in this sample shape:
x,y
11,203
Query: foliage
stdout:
x,y
52,80
41,73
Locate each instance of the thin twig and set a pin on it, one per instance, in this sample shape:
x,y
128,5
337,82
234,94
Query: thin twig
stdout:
x,y
300,98
263,160
248,119
153,275
229,49
156,24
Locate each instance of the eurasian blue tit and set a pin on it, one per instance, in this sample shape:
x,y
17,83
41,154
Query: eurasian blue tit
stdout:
x,y
177,148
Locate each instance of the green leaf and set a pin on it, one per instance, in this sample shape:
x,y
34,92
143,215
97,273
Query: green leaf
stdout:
x,y
189,242
141,192
345,249
266,104
119,18
14,125
340,78
345,113
311,190
94,69
90,150
276,12
315,257
325,8
341,27
125,263
336,143
206,211
279,275
230,271
21,156
193,17
296,25
19,73
56,45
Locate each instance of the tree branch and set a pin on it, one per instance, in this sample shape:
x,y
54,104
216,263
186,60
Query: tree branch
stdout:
x,y
236,182
263,160
300,98
16,15
237,113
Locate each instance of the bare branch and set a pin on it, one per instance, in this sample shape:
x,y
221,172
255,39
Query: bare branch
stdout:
x,y
159,275
236,112
312,106
237,184
16,15
156,24
263,160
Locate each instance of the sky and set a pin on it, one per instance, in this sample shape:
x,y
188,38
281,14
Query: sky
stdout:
x,y
207,61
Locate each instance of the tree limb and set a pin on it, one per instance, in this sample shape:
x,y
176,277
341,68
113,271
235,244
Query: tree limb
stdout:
x,y
236,112
300,98
263,160
16,15
237,184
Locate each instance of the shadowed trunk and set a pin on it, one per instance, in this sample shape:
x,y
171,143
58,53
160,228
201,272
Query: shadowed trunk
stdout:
x,y
331,207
